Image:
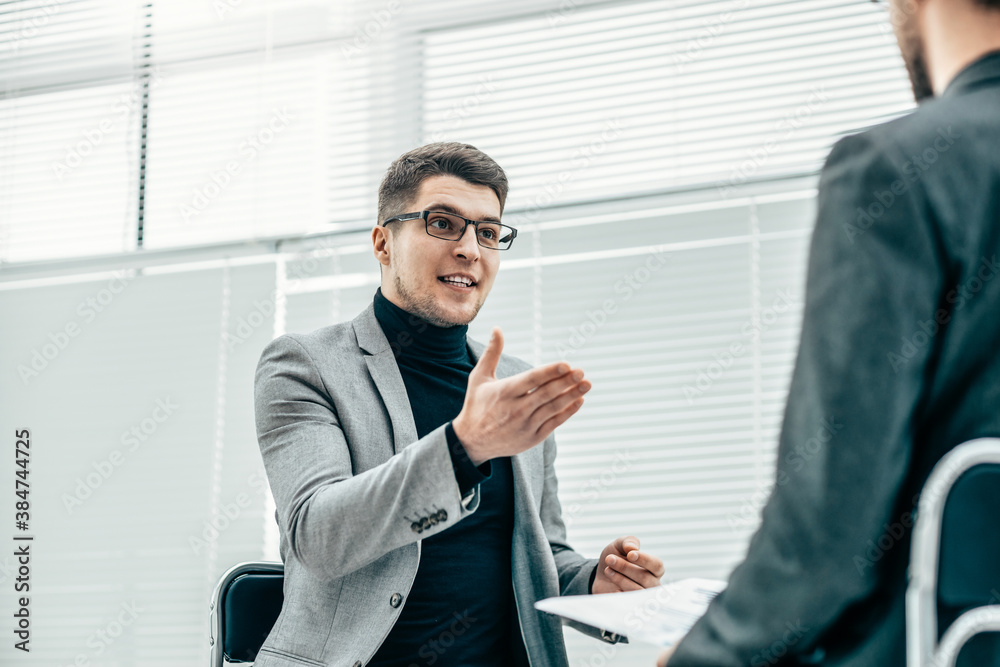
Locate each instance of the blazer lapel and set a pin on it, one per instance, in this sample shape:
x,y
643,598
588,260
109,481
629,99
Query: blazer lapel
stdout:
x,y
384,370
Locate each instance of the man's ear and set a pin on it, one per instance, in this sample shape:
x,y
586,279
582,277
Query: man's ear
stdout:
x,y
381,244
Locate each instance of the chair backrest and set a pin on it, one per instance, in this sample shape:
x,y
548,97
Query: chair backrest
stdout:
x,y
954,588
245,605
969,565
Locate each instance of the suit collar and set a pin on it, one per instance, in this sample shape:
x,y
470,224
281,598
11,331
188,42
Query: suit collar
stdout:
x,y
371,338
372,341
385,374
983,71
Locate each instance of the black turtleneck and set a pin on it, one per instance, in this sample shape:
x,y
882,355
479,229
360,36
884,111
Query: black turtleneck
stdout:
x,y
460,609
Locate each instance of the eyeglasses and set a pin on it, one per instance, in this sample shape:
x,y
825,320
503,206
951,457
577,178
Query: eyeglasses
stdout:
x,y
451,227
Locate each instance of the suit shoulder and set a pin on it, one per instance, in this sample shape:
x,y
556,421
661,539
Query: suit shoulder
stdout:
x,y
928,132
324,340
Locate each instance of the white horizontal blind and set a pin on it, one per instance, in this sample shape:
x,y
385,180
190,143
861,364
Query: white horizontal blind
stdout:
x,y
585,106
631,97
262,124
145,479
68,128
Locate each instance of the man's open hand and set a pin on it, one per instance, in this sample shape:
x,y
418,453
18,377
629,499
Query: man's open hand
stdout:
x,y
509,416
622,567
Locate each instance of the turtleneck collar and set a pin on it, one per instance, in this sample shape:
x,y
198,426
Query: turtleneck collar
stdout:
x,y
412,336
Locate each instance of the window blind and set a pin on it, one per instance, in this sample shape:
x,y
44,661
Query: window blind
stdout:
x,y
664,197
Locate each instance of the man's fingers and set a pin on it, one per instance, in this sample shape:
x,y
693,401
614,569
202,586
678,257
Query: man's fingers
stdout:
x,y
626,544
637,573
547,410
488,360
558,419
554,388
620,580
533,379
646,560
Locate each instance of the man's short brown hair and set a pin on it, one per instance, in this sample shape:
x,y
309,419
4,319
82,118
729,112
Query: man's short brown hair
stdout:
x,y
402,180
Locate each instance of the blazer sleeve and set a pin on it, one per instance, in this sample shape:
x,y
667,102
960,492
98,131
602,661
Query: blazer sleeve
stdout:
x,y
876,276
335,522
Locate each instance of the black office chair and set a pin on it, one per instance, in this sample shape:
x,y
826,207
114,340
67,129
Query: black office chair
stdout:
x,y
245,604
954,589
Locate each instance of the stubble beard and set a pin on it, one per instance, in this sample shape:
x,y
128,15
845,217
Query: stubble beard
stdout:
x,y
425,306
911,44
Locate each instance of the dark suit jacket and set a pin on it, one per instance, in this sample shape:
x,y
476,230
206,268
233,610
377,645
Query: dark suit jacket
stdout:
x,y
900,350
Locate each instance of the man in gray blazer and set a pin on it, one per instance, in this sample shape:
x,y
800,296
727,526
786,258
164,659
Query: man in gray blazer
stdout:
x,y
411,467
899,348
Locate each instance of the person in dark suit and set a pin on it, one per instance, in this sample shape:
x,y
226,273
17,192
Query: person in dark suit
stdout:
x,y
900,349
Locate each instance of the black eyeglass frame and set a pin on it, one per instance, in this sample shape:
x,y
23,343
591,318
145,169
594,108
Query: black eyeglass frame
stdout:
x,y
425,216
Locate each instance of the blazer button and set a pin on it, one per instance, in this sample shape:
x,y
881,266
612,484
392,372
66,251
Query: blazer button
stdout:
x,y
358,664
396,600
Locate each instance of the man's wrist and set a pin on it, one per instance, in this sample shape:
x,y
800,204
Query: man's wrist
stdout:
x,y
460,432
467,474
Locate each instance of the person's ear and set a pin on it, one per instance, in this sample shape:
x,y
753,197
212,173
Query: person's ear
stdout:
x,y
381,244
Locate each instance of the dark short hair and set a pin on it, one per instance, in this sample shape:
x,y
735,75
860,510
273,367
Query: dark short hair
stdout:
x,y
402,180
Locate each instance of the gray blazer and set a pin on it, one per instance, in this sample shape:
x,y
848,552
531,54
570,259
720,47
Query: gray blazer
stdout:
x,y
356,491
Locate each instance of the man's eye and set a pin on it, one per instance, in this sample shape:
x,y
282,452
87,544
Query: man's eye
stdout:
x,y
489,234
441,223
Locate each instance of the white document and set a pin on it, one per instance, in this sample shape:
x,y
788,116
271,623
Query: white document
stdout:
x,y
661,615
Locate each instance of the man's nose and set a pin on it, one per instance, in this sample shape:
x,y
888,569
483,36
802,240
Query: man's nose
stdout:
x,y
467,245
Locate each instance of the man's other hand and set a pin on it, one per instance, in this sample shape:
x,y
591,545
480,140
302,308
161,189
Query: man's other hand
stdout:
x,y
622,567
509,416
664,657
